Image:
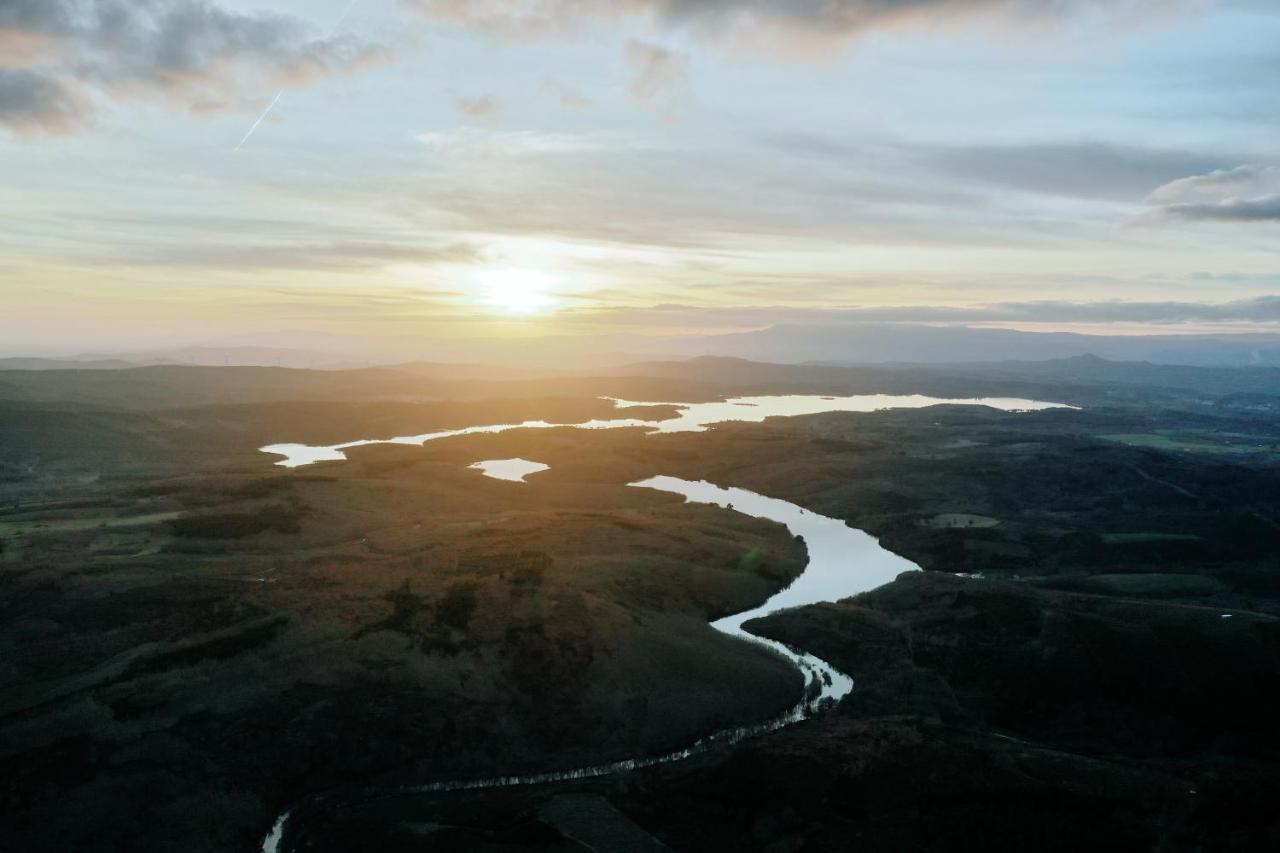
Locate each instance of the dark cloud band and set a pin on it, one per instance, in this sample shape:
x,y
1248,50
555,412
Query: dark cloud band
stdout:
x,y
1265,310
1248,193
31,102
818,18
54,53
1265,209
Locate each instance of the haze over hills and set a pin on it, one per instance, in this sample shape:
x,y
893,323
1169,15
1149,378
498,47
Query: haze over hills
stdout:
x,y
65,364
1077,379
882,342
862,343
1084,370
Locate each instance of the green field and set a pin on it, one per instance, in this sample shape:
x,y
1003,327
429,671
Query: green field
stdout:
x,y
1157,585
1143,538
77,525
1198,441
955,520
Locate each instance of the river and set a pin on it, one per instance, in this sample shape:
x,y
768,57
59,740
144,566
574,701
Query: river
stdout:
x,y
842,561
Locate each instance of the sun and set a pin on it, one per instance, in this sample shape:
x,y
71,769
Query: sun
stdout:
x,y
517,291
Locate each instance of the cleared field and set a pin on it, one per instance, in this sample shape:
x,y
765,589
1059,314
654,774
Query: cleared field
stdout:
x,y
1142,538
956,520
77,525
1157,585
1198,442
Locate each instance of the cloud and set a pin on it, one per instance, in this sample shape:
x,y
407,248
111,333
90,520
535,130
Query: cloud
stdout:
x,y
568,96
33,103
661,75
641,190
1264,309
768,23
189,51
1079,169
478,106
1085,169
1248,193
471,144
336,256
1264,209
1218,185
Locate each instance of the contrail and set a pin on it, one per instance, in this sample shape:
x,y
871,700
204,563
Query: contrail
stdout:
x,y
342,19
271,106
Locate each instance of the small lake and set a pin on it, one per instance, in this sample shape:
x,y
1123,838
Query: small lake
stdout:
x,y
514,470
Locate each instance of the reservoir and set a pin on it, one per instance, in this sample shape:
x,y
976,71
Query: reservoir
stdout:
x,y
690,417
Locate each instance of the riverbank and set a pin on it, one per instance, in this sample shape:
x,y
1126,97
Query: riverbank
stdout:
x,y
401,618
988,716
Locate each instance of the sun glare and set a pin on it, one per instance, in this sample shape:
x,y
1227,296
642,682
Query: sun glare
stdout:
x,y
516,291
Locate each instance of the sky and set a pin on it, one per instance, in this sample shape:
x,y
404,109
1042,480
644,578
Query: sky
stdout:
x,y
489,168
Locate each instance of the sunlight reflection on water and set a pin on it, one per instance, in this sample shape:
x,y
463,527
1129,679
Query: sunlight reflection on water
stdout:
x,y
691,417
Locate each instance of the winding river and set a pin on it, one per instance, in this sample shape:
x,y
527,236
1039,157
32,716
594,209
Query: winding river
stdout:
x,y
842,561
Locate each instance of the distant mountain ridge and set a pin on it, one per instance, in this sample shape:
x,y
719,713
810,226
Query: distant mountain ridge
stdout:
x,y
868,343
1086,370
1075,379
63,364
889,343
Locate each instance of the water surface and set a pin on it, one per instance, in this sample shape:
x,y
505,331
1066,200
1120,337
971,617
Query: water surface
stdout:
x,y
842,562
697,417
514,470
690,417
